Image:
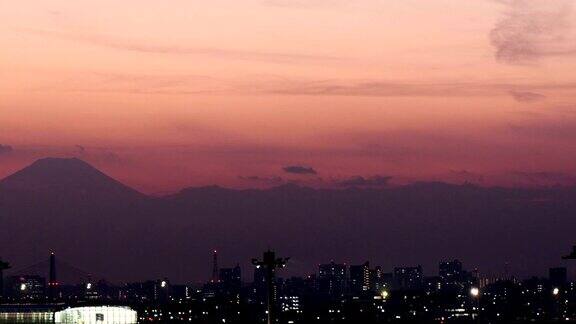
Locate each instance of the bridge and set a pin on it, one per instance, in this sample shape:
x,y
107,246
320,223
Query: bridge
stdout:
x,y
43,279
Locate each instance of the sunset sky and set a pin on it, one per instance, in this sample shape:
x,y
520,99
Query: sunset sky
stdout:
x,y
255,93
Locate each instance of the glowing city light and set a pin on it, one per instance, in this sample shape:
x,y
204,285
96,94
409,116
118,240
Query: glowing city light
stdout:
x,y
474,292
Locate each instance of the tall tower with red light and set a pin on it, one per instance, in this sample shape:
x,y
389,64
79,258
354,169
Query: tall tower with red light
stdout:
x,y
52,281
214,266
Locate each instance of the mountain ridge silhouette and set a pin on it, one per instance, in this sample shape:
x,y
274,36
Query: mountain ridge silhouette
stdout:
x,y
104,226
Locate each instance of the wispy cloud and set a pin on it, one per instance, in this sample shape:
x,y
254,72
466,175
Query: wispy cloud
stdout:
x,y
466,176
532,29
174,84
544,178
272,180
377,88
525,96
560,128
298,169
304,3
189,84
399,88
361,181
151,48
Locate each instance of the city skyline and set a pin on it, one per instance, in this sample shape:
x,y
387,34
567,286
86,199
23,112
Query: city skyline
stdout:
x,y
335,292
362,270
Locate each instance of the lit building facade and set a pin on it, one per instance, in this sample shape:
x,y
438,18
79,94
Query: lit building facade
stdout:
x,y
96,315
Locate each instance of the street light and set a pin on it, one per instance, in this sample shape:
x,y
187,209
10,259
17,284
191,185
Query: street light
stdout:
x,y
555,291
384,294
474,292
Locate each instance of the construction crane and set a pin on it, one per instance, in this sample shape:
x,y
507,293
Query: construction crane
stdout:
x,y
572,255
3,266
270,263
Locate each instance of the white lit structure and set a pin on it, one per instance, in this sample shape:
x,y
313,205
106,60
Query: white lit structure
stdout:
x,y
96,315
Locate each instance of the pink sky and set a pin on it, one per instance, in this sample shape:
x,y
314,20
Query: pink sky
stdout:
x,y
168,94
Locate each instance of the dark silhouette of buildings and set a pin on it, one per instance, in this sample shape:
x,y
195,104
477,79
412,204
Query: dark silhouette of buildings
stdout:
x,y
408,277
558,276
27,287
336,293
3,266
450,271
230,280
360,278
572,255
332,279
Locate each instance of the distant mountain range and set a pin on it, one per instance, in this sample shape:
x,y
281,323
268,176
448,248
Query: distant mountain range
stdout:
x,y
111,230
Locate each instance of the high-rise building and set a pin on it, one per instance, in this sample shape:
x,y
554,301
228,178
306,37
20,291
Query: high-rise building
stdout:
x,y
311,283
387,280
408,277
332,279
3,266
148,291
360,278
231,279
377,280
181,292
259,277
451,271
162,290
259,285
558,276
296,286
